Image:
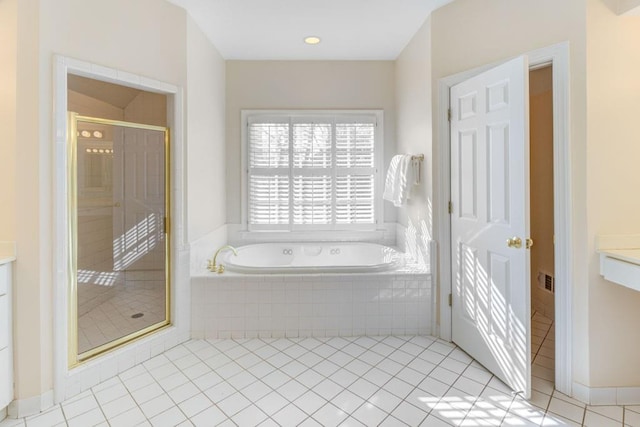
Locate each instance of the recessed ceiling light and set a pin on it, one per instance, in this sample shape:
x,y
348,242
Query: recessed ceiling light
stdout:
x,y
312,40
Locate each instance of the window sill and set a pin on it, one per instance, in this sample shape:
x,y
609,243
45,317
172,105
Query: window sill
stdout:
x,y
243,236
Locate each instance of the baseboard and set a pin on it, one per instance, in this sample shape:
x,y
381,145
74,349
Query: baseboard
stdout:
x,y
21,408
607,395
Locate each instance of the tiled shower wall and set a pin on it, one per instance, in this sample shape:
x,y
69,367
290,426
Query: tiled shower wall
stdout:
x,y
271,306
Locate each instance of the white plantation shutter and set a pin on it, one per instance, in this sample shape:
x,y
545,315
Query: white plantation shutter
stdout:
x,y
354,199
311,173
269,199
355,172
269,175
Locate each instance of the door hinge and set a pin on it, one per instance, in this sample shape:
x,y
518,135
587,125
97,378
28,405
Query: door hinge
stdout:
x,y
165,225
450,208
449,114
450,300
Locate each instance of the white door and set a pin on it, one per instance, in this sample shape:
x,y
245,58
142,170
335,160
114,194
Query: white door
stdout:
x,y
139,181
490,197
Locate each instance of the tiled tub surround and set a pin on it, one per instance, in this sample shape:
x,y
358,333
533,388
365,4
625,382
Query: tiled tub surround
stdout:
x,y
310,305
312,258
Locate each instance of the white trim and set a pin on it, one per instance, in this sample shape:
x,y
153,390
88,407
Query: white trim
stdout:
x,y
21,408
607,395
385,234
67,383
558,55
434,268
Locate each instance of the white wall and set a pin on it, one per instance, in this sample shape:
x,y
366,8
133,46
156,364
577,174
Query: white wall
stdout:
x,y
305,85
206,134
631,7
613,110
470,33
414,136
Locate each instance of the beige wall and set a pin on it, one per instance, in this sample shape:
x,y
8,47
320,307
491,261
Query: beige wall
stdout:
x,y
148,108
613,111
471,33
414,136
541,190
87,106
206,134
150,40
8,58
304,85
32,296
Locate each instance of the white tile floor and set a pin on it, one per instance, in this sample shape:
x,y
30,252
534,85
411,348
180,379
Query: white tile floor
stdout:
x,y
388,381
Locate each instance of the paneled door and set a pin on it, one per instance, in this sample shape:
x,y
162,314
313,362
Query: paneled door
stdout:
x,y
139,195
490,221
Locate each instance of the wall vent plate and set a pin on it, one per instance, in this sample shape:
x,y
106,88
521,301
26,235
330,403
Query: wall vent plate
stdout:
x,y
546,282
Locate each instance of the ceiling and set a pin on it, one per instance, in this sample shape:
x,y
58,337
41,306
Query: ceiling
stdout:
x,y
116,95
275,29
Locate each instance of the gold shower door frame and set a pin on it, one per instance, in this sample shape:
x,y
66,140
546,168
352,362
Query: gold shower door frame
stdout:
x,y
74,358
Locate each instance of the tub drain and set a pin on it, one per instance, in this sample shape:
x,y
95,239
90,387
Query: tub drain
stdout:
x,y
137,315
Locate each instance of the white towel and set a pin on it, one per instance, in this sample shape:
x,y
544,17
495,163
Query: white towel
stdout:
x,y
396,188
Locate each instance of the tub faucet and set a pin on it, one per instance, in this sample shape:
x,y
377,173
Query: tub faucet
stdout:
x,y
211,264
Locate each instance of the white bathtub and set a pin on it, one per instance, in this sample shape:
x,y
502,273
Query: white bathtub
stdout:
x,y
282,258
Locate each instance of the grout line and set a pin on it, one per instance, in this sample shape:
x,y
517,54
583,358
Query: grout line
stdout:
x,y
100,405
230,351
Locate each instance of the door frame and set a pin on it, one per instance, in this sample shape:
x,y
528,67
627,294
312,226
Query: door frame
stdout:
x,y
67,381
558,56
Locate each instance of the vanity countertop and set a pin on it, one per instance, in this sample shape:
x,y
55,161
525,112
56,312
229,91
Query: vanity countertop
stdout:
x,y
628,255
7,252
620,259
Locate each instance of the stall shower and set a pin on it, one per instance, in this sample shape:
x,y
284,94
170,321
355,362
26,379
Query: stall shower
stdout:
x,y
119,203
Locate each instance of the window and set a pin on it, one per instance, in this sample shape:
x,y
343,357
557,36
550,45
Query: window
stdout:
x,y
312,171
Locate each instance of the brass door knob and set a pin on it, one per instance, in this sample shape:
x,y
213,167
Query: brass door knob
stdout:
x,y
529,243
514,242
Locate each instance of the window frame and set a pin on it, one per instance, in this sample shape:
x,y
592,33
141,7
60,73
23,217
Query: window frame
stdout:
x,y
377,116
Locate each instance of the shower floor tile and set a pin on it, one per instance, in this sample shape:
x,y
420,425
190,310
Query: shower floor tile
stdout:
x,y
119,314
397,381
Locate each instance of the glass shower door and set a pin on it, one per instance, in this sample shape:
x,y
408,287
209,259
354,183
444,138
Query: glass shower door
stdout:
x,y
120,242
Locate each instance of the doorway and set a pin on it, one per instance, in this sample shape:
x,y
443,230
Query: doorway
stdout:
x,y
542,227
558,57
118,203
